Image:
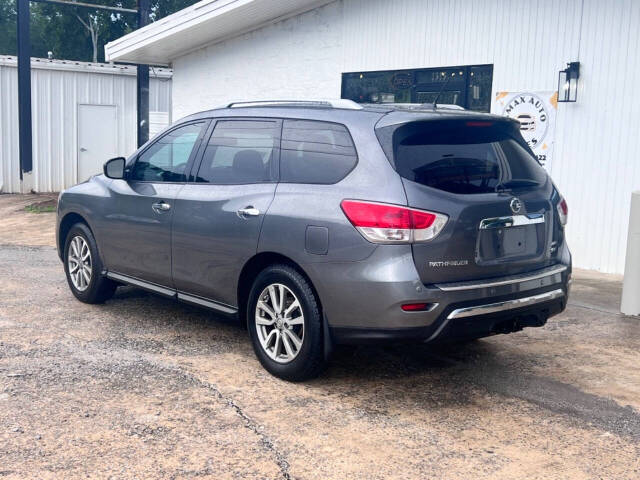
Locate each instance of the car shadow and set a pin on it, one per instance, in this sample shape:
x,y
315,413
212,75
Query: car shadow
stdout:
x,y
380,377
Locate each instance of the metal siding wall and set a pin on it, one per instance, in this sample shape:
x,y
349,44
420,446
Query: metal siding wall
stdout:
x,y
9,158
56,95
595,161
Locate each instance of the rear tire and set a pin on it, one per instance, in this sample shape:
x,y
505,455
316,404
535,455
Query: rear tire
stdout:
x,y
286,328
83,267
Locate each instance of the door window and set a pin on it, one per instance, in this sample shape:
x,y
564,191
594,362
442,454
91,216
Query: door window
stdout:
x,y
166,160
240,152
315,152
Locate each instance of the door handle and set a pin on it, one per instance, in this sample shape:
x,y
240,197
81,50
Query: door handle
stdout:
x,y
160,207
248,212
82,149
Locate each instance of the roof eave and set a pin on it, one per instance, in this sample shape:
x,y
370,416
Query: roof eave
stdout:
x,y
201,24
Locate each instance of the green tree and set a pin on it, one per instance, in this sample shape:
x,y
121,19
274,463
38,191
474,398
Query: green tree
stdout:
x,y
8,19
76,33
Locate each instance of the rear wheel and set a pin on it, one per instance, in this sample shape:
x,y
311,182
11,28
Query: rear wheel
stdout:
x,y
285,324
83,267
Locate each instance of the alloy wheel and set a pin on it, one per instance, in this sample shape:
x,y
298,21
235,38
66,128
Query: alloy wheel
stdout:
x,y
79,263
279,323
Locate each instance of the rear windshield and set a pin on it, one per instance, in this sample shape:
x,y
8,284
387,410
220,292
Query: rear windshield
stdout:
x,y
465,157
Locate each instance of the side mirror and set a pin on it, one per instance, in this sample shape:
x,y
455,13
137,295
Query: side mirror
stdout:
x,y
114,168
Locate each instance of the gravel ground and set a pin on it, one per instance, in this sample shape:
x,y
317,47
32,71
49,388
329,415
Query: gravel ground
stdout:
x,y
142,387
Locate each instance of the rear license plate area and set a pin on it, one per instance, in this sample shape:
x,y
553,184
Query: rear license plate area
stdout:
x,y
509,243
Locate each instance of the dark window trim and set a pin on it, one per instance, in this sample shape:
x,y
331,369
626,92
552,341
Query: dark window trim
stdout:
x,y
192,156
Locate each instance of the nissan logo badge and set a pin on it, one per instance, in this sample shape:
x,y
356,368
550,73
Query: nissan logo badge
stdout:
x,y
516,205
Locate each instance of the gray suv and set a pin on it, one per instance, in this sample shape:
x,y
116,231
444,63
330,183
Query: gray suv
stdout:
x,y
328,222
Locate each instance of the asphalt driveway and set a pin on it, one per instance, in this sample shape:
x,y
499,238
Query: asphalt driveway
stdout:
x,y
142,387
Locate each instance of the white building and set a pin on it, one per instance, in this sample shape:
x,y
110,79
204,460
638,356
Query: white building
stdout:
x,y
397,50
82,115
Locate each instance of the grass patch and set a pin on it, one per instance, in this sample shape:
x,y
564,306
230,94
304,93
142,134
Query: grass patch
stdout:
x,y
42,207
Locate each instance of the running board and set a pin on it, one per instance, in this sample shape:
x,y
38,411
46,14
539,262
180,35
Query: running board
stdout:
x,y
152,287
169,292
221,307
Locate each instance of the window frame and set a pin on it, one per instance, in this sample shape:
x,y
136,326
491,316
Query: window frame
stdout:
x,y
415,86
192,156
274,171
355,164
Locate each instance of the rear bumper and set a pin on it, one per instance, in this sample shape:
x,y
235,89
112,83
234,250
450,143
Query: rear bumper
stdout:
x,y
362,300
459,322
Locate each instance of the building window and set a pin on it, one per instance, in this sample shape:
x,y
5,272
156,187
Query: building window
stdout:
x,y
469,86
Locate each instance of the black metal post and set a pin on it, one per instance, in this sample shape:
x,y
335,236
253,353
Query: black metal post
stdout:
x,y
24,88
143,81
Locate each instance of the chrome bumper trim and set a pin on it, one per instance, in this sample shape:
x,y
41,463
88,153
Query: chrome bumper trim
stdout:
x,y
506,305
525,277
512,221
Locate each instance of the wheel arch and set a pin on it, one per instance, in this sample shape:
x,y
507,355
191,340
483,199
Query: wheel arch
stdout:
x,y
68,221
253,267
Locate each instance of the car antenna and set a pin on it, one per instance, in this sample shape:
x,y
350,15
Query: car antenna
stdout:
x,y
435,101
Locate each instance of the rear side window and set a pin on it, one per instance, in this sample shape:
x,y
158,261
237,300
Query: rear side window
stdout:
x,y
239,152
465,157
315,152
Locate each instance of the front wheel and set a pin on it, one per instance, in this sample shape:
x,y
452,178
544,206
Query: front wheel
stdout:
x,y
285,324
83,267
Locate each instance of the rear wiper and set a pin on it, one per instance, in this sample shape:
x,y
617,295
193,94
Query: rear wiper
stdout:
x,y
516,182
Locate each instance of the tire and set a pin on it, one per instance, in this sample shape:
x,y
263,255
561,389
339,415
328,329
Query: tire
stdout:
x,y
294,363
98,288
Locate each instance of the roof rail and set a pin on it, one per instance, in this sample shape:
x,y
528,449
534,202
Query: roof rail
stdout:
x,y
336,103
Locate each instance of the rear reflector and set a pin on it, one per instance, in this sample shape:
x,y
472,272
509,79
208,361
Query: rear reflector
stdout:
x,y
563,211
416,307
384,223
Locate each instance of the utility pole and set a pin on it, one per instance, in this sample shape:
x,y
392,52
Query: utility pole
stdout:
x,y
24,93
24,80
143,82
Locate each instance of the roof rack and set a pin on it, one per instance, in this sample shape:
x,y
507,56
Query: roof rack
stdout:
x,y
337,103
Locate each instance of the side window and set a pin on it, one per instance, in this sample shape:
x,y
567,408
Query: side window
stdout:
x,y
167,158
315,152
240,151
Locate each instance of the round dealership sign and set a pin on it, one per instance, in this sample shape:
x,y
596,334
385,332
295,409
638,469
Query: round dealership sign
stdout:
x,y
536,113
530,111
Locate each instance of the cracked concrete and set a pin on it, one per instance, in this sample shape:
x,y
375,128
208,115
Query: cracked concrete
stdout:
x,y
142,387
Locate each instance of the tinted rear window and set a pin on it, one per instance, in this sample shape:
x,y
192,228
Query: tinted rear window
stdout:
x,y
465,157
315,152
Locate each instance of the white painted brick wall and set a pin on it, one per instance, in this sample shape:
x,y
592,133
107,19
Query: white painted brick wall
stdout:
x,y
294,59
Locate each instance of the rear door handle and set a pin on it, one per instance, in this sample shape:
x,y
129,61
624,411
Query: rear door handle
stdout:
x,y
248,212
160,207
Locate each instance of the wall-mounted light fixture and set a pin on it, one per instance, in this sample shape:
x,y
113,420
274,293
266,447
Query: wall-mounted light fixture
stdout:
x,y
568,82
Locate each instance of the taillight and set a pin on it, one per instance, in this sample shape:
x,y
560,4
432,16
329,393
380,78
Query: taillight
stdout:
x,y
384,223
563,211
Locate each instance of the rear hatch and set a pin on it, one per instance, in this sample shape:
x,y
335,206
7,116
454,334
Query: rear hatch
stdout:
x,y
479,172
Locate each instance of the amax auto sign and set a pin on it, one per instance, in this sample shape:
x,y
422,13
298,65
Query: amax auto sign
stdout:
x,y
536,112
